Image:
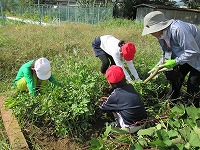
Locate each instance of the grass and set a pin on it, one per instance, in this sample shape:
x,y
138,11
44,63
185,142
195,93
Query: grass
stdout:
x,y
4,144
21,43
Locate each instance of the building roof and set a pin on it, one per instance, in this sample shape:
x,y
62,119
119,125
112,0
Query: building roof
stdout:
x,y
166,7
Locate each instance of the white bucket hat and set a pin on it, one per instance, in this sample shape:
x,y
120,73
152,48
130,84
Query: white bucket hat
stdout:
x,y
155,21
43,68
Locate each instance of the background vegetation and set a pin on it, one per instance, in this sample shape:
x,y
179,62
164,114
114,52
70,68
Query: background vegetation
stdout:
x,y
121,8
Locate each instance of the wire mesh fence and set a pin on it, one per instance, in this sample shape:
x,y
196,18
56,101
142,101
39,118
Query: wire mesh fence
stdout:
x,y
59,13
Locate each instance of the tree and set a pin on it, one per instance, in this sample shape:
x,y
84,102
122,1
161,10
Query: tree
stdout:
x,y
127,8
193,4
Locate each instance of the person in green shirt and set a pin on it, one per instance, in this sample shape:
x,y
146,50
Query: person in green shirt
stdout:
x,y
33,75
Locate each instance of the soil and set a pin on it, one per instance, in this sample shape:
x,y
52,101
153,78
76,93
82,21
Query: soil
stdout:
x,y
45,139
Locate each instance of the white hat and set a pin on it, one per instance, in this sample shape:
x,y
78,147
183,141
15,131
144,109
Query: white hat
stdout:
x,y
42,68
155,21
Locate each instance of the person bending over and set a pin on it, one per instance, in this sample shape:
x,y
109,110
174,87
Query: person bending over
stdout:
x,y
111,51
33,75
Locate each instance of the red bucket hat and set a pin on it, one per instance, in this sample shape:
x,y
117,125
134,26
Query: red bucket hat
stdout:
x,y
128,51
114,74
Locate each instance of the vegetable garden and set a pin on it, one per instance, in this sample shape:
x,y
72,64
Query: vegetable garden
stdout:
x,y
71,111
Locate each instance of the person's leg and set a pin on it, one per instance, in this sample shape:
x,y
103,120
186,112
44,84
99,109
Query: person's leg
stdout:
x,y
105,63
111,60
193,93
176,78
119,119
100,54
131,129
22,85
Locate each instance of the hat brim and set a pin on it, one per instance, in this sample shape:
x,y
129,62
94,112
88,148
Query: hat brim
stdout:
x,y
43,77
157,27
129,58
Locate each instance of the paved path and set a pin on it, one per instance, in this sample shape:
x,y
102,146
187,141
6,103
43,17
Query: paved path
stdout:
x,y
15,136
27,21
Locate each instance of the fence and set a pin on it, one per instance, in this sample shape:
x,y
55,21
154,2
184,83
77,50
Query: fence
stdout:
x,y
2,18
57,13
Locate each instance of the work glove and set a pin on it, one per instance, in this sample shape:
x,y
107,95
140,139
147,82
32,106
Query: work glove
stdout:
x,y
138,80
169,63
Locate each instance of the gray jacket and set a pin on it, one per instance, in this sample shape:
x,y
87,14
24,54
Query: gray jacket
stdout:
x,y
184,43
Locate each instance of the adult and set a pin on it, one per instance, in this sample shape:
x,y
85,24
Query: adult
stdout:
x,y
110,51
33,75
124,102
180,45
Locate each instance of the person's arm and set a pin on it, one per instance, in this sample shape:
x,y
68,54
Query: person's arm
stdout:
x,y
119,62
29,80
186,42
132,69
110,104
54,81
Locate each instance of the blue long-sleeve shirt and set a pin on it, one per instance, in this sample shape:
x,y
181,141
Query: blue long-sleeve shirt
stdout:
x,y
184,42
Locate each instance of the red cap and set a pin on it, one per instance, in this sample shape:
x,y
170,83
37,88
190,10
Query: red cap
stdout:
x,y
114,74
128,51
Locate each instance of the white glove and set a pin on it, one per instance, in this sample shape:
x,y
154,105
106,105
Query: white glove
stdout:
x,y
138,80
153,69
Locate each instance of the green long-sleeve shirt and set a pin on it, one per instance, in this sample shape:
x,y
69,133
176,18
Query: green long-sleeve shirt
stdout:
x,y
25,71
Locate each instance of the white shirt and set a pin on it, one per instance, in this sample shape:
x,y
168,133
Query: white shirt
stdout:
x,y
110,45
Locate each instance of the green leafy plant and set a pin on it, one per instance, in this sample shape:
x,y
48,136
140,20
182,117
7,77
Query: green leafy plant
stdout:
x,y
69,108
179,131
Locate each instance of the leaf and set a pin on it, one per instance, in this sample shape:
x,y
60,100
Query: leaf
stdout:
x,y
136,147
179,110
148,131
180,146
190,122
108,129
143,141
168,142
194,139
95,143
185,132
193,113
172,133
197,131
162,134
159,143
187,145
119,131
176,123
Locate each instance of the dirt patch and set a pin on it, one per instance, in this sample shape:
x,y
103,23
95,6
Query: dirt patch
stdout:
x,y
46,139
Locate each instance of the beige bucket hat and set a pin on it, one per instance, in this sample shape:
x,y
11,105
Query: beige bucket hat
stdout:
x,y
155,21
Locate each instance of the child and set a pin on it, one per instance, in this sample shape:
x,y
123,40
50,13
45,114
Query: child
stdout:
x,y
111,51
124,102
33,75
